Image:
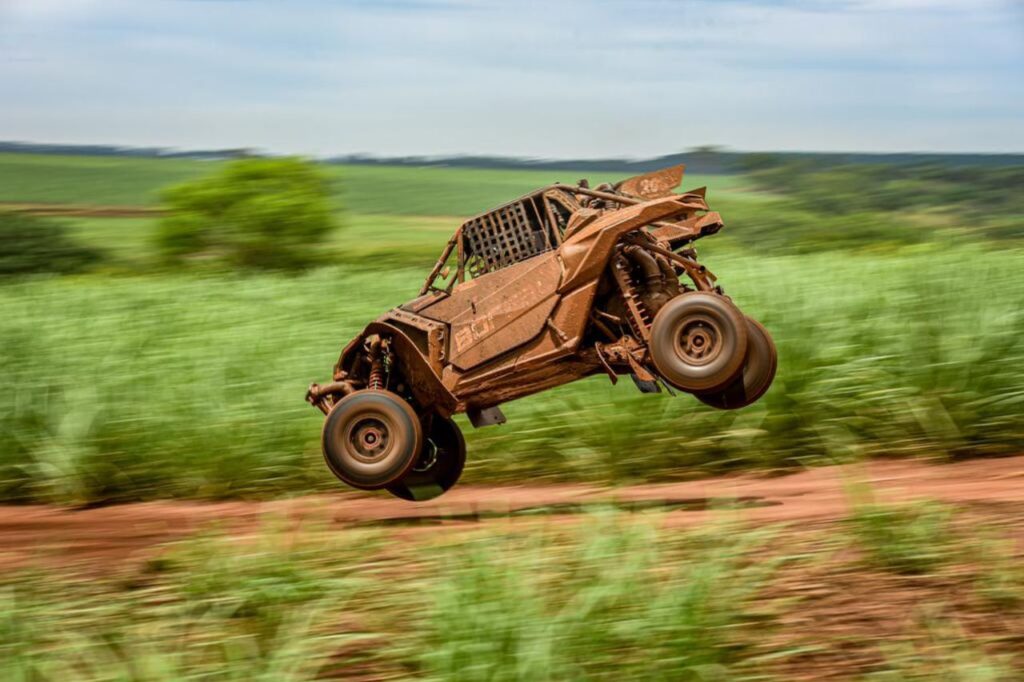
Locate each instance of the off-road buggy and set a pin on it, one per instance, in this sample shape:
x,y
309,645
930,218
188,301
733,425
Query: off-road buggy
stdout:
x,y
560,284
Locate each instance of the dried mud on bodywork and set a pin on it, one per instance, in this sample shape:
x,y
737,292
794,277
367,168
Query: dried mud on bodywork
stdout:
x,y
560,284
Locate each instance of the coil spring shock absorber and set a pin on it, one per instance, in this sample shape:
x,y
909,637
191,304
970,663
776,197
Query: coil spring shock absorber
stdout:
x,y
375,382
639,318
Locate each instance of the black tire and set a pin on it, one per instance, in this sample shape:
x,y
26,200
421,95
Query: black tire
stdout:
x,y
371,438
439,465
755,377
698,341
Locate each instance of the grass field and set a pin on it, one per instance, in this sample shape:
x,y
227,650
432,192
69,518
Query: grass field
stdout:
x,y
94,180
191,385
137,381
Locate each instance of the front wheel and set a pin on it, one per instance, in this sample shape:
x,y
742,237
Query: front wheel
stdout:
x,y
439,465
698,341
756,376
371,438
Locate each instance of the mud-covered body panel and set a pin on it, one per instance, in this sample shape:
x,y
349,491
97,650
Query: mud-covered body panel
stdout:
x,y
499,311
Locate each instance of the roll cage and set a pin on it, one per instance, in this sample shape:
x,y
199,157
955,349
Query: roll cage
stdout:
x,y
521,229
539,221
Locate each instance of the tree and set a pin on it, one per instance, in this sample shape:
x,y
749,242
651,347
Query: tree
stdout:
x,y
29,244
268,213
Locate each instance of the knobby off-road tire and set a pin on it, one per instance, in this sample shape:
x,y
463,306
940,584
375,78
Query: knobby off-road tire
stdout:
x,y
439,465
698,341
755,377
371,438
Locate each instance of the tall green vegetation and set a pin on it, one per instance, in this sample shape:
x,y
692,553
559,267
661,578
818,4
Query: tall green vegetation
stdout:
x,y
613,603
267,213
189,385
910,539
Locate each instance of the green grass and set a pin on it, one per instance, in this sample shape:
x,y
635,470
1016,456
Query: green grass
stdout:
x,y
912,538
1000,580
191,384
91,180
945,653
612,603
127,241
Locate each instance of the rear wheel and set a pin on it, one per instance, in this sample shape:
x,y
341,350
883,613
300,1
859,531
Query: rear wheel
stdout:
x,y
371,438
698,341
439,465
756,376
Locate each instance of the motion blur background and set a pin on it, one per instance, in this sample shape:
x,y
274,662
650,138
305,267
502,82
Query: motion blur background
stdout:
x,y
867,158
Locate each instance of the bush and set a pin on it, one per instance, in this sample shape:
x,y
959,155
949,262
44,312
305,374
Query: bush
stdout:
x,y
29,244
266,213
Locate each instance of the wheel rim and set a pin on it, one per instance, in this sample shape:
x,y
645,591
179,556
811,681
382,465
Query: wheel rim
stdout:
x,y
698,341
369,439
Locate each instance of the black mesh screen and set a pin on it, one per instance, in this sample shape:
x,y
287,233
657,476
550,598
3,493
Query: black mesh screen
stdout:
x,y
502,237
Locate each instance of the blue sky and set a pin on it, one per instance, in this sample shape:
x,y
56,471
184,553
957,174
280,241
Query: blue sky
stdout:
x,y
547,79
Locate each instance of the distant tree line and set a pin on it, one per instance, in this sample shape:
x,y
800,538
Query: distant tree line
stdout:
x,y
699,160
117,150
703,160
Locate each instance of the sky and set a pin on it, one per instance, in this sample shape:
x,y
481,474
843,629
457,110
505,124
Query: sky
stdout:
x,y
555,79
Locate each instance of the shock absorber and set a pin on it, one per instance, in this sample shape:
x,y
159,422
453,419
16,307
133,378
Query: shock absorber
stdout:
x,y
639,318
375,381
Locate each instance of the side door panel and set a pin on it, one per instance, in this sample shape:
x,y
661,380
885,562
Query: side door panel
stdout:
x,y
499,311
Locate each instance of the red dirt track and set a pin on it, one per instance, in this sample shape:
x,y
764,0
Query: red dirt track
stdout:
x,y
113,535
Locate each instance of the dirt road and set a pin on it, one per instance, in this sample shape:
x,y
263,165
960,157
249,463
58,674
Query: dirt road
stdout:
x,y
117,534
